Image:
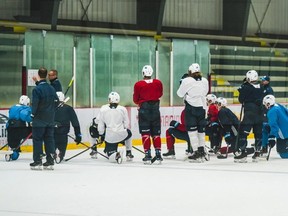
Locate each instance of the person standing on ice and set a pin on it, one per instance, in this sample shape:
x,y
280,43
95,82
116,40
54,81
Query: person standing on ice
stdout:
x,y
44,101
146,96
193,90
114,122
250,96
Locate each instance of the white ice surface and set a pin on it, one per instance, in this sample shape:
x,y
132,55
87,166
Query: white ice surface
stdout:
x,y
95,187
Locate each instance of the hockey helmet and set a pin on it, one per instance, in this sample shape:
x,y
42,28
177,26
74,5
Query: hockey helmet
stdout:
x,y
251,76
114,97
268,101
194,68
24,100
147,71
221,101
211,98
60,95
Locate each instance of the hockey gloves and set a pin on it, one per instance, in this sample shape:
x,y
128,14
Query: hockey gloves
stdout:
x,y
228,138
174,124
78,138
271,141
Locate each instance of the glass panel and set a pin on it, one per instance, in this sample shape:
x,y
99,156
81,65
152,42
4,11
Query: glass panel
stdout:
x,y
164,49
82,71
53,51
118,63
101,45
11,61
186,52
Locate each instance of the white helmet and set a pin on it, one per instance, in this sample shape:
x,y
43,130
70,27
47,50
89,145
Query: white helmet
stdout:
x,y
268,101
251,75
24,100
194,68
221,101
114,97
211,98
147,70
60,95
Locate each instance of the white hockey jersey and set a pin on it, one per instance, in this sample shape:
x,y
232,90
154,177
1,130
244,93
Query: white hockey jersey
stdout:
x,y
114,122
194,91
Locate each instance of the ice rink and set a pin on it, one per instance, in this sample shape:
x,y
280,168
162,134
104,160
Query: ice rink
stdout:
x,y
95,187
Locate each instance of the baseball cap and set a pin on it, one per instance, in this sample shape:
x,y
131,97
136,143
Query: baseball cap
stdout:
x,y
265,78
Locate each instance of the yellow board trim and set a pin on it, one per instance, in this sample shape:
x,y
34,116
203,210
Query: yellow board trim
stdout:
x,y
135,142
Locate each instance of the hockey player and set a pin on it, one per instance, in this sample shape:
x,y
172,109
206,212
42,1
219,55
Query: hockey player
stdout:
x,y
212,127
267,90
114,122
65,115
277,126
147,94
250,96
18,125
176,130
194,90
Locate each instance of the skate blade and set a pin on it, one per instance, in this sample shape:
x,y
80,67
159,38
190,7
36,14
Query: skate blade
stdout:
x,y
255,160
147,162
8,157
171,157
48,167
38,168
195,161
128,159
221,157
94,156
57,159
240,160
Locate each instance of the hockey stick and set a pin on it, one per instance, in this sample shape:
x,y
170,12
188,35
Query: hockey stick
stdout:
x,y
70,84
237,138
152,160
4,146
268,156
138,149
88,147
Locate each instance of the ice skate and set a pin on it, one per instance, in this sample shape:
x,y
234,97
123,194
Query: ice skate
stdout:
x,y
93,154
147,159
48,165
256,156
58,158
195,157
36,165
159,159
241,158
170,154
203,154
118,157
129,156
263,153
